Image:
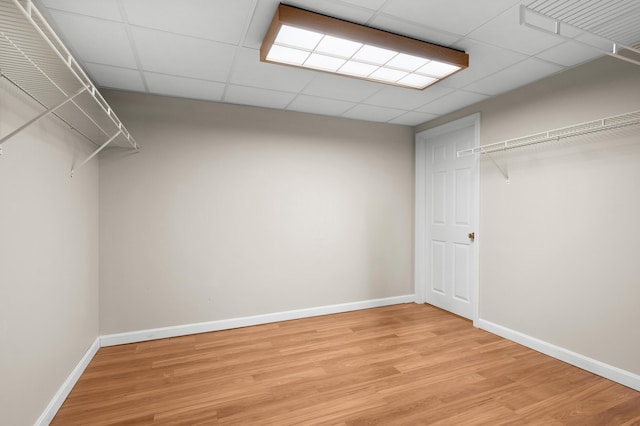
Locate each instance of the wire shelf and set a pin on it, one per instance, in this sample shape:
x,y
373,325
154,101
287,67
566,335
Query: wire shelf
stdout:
x,y
611,27
603,124
33,58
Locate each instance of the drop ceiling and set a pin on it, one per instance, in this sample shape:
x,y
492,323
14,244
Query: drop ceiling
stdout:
x,y
209,50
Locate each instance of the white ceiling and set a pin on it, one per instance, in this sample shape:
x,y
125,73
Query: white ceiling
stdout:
x,y
209,49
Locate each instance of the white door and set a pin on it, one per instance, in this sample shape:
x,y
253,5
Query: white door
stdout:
x,y
446,217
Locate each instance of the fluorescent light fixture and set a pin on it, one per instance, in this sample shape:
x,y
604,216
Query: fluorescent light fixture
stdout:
x,y
306,39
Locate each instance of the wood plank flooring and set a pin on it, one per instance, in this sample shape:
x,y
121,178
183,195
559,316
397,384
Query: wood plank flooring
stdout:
x,y
404,364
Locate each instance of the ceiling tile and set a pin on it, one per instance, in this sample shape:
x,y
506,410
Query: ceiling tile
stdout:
x,y
505,31
85,36
406,99
167,53
258,97
570,53
413,118
434,92
190,49
420,32
455,16
453,102
315,105
515,76
265,9
369,4
373,113
115,78
336,9
249,71
213,20
106,9
184,87
484,59
342,88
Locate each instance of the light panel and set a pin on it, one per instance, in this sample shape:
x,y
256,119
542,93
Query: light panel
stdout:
x,y
389,75
287,55
305,39
358,69
438,69
407,62
298,37
374,55
324,62
338,46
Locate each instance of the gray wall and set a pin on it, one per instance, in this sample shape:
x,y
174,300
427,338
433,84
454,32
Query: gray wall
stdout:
x,y
48,258
559,256
233,211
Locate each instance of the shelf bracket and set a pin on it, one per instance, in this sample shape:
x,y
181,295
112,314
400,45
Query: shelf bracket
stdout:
x,y
96,152
495,163
43,114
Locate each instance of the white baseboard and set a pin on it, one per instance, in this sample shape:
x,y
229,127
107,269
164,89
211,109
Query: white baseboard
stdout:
x,y
56,402
204,327
589,364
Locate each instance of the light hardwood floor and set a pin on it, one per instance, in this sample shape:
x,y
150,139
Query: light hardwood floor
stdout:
x,y
404,364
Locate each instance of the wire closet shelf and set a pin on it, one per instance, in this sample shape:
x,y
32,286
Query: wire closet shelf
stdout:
x,y
611,27
603,124
34,59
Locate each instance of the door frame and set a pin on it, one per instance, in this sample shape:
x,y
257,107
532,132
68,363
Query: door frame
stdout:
x,y
422,233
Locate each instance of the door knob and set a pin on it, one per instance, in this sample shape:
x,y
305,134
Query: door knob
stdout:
x,y
472,236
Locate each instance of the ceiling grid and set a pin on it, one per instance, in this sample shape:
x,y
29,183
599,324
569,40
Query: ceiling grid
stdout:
x,y
209,50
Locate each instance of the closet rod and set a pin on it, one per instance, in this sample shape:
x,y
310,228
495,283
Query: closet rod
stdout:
x,y
43,114
96,152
